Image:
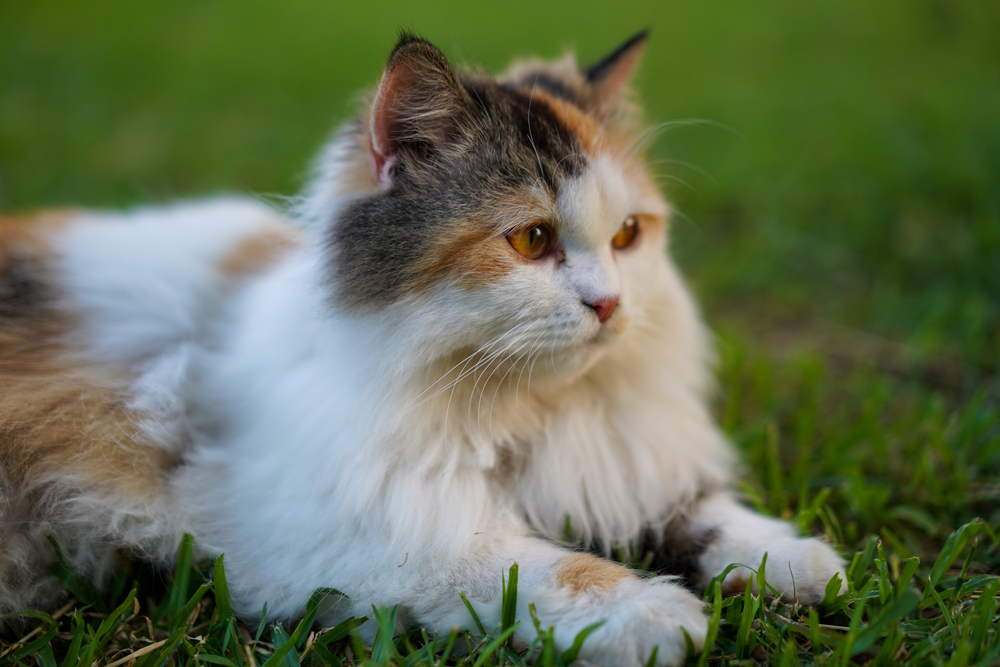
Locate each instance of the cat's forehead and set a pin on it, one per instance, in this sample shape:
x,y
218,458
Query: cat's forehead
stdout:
x,y
580,173
519,136
536,142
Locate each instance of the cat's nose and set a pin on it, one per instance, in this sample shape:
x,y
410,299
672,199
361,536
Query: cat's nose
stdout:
x,y
603,307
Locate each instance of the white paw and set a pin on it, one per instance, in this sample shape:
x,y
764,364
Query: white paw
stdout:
x,y
799,569
641,614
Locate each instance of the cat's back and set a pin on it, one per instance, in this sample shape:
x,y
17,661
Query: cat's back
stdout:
x,y
92,302
144,280
91,305
62,416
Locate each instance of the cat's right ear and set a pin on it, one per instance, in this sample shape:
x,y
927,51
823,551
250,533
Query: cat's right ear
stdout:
x,y
417,108
609,77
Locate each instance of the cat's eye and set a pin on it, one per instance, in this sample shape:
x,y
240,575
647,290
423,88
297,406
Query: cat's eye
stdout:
x,y
531,242
626,234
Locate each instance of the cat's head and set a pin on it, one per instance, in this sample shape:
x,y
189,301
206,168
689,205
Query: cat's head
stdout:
x,y
505,214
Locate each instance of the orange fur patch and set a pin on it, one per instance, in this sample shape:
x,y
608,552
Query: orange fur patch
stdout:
x,y
587,131
60,418
596,137
475,253
580,573
469,255
257,253
28,235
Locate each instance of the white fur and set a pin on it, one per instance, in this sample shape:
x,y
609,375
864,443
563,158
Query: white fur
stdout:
x,y
405,455
798,569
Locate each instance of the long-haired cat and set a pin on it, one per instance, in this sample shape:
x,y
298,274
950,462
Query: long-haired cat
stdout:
x,y
466,337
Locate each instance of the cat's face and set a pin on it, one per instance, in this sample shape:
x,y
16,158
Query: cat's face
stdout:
x,y
511,217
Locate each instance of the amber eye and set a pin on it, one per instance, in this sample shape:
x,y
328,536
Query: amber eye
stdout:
x,y
531,242
626,235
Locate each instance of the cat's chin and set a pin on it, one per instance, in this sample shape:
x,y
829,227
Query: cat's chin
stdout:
x,y
574,362
612,330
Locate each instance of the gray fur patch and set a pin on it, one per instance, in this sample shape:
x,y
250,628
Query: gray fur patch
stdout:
x,y
23,292
506,143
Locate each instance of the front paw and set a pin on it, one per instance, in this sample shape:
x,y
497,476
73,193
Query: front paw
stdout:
x,y
640,614
799,569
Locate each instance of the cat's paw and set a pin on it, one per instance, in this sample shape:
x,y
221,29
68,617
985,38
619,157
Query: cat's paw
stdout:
x,y
640,614
798,568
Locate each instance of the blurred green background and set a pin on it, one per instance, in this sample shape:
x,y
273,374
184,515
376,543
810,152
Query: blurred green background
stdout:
x,y
838,186
846,178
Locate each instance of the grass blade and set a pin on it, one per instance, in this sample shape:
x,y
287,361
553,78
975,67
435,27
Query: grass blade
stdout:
x,y
891,613
508,606
651,662
383,649
713,623
569,655
472,612
491,648
953,546
341,630
182,578
222,598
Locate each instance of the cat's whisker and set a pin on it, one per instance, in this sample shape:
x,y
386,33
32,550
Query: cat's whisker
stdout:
x,y
527,360
678,179
510,369
465,361
681,163
472,393
479,407
462,374
566,157
455,383
465,373
531,370
654,132
650,134
451,386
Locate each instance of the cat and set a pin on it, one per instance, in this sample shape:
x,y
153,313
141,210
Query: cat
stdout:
x,y
463,347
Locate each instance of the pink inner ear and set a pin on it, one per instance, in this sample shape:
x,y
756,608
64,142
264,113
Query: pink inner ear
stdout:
x,y
615,80
386,118
611,76
380,136
383,168
613,83
383,160
379,141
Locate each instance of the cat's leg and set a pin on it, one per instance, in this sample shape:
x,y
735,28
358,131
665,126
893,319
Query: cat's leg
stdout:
x,y
721,531
570,591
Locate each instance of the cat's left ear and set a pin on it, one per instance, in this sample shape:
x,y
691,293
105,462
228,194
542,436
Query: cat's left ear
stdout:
x,y
609,76
419,106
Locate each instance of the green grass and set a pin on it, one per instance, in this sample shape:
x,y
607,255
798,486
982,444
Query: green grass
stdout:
x,y
839,201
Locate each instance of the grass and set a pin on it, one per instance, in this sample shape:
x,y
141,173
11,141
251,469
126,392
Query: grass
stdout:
x,y
839,198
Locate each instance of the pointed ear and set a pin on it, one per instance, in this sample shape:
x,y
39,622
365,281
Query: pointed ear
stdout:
x,y
417,107
609,77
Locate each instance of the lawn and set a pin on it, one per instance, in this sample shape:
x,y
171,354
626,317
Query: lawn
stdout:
x,y
836,171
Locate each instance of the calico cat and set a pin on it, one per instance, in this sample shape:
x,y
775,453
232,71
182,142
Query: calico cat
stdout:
x,y
464,338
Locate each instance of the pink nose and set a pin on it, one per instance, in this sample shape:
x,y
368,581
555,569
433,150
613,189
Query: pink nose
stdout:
x,y
603,307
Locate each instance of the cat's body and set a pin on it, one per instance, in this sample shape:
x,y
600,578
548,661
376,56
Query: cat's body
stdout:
x,y
388,395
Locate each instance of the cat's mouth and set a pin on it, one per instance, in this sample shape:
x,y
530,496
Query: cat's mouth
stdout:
x,y
614,328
